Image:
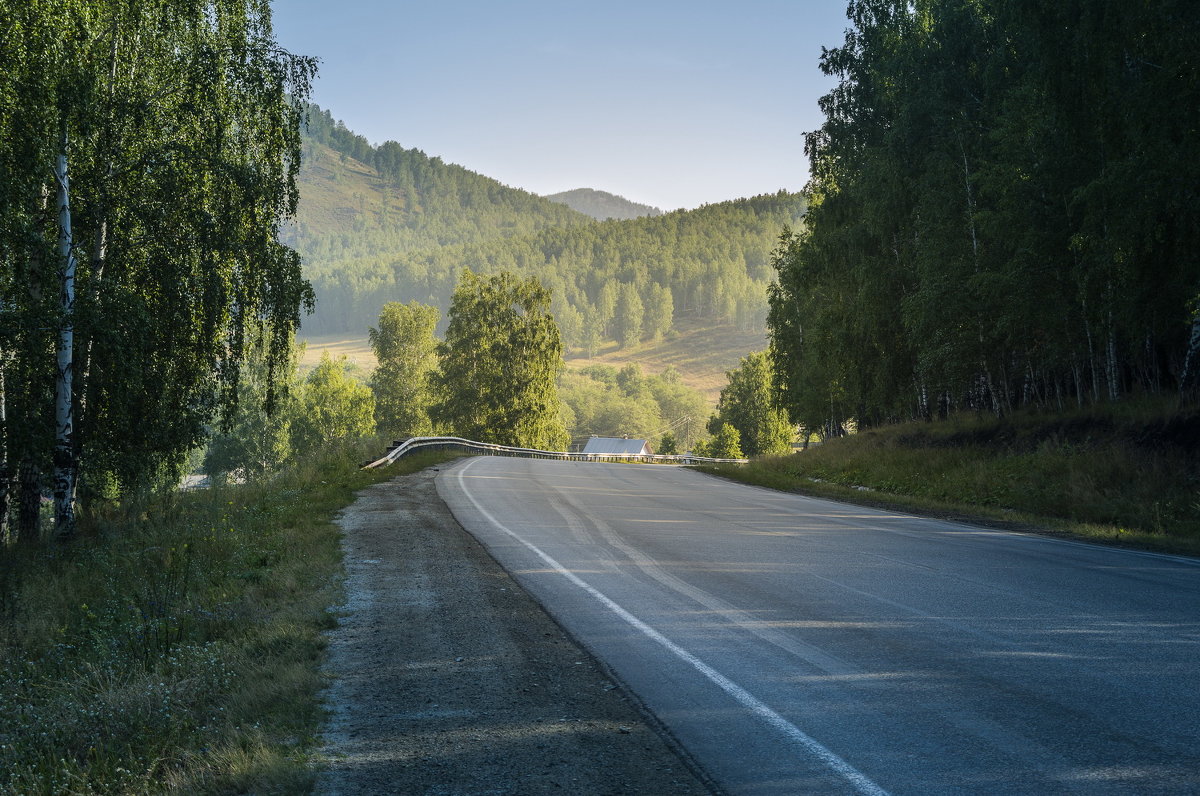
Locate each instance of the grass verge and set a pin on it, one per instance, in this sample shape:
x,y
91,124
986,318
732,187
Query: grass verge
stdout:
x,y
176,647
1127,474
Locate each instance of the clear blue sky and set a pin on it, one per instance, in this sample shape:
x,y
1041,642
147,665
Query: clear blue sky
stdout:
x,y
673,103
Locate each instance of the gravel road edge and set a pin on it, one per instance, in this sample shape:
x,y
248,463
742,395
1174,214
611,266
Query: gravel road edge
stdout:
x,y
446,678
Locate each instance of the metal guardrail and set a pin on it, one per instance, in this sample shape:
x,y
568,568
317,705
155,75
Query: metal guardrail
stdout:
x,y
404,447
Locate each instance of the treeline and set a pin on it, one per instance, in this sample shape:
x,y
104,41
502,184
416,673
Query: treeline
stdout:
x,y
309,416
498,376
1004,212
603,401
491,379
148,155
624,280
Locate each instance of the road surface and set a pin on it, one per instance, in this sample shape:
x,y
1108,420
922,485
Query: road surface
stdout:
x,y
795,645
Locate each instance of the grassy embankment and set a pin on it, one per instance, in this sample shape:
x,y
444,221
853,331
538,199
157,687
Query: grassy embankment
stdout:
x,y
175,648
700,350
1127,474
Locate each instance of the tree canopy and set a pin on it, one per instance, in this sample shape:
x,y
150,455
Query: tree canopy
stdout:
x,y
386,223
148,154
748,404
498,364
406,350
331,406
608,402
1002,212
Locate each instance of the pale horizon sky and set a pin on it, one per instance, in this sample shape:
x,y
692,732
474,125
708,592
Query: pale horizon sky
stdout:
x,y
666,102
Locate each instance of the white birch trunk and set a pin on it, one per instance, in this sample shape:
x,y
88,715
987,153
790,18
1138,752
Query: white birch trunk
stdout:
x,y
1189,380
64,396
970,204
5,489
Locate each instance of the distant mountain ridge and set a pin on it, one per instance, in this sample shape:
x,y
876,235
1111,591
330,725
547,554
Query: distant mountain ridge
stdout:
x,y
388,223
603,206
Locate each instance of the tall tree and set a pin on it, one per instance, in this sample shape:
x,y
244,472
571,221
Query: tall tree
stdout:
x,y
499,361
148,153
748,404
630,314
406,350
660,312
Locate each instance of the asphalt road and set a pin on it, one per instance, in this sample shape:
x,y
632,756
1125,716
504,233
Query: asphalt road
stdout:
x,y
795,645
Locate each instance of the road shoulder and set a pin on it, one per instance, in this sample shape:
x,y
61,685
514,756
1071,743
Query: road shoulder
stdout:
x,y
447,678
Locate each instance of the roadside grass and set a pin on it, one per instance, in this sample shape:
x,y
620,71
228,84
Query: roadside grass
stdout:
x,y
1127,474
176,646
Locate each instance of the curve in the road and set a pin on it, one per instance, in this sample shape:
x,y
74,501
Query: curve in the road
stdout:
x,y
861,783
800,645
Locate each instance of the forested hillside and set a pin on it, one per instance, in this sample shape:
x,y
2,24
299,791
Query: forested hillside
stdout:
x,y
603,206
379,224
1005,212
360,201
624,280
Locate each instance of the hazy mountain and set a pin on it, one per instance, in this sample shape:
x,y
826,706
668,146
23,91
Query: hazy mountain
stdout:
x,y
385,223
601,205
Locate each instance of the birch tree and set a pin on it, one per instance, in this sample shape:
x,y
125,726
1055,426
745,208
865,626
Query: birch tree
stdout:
x,y
149,152
406,351
748,404
496,381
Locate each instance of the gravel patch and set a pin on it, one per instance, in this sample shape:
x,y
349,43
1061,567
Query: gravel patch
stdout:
x,y
447,678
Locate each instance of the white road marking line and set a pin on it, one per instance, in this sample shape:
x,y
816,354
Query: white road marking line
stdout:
x,y
857,779
812,655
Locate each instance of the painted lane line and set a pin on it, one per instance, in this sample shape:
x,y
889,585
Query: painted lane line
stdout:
x,y
808,653
853,776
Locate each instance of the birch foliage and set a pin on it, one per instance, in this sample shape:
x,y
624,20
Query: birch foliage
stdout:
x,y
178,123
498,364
406,350
748,404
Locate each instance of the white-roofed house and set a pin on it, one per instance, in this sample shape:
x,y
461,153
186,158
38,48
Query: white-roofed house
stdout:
x,y
618,446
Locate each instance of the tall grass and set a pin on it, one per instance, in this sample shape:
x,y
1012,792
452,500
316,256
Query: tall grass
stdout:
x,y
175,647
1128,473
